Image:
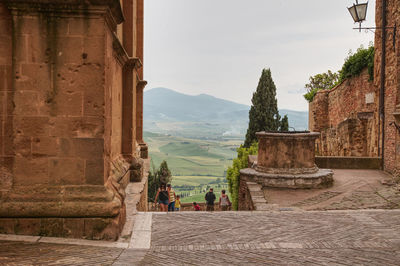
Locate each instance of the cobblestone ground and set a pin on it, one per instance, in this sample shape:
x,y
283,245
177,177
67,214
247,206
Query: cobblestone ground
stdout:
x,y
273,238
352,189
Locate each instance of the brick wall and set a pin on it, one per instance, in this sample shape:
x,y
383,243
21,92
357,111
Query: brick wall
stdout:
x,y
392,82
346,116
353,127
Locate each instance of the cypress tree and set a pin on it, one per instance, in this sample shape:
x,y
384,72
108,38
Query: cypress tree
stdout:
x,y
159,176
263,115
284,124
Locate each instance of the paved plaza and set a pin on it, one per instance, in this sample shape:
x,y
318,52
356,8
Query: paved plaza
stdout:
x,y
364,237
352,189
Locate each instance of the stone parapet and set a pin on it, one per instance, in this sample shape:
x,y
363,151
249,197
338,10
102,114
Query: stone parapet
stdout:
x,y
322,178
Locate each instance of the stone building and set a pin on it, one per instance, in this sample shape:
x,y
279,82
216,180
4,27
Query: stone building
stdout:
x,y
347,118
71,91
348,115
391,151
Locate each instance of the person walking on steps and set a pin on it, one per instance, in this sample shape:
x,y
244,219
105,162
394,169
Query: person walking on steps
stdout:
x,y
224,201
210,198
162,195
172,196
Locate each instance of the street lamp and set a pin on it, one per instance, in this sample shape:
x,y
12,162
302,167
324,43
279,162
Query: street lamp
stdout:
x,y
358,12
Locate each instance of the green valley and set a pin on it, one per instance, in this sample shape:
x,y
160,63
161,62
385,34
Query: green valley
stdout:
x,y
195,164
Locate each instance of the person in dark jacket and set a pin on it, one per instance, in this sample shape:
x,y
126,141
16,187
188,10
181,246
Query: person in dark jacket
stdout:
x,y
210,198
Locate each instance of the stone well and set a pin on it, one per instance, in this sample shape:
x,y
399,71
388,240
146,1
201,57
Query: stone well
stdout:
x,y
287,160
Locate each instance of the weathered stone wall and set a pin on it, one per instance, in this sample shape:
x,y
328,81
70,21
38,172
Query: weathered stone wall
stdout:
x,y
392,82
6,93
359,135
245,202
62,164
346,117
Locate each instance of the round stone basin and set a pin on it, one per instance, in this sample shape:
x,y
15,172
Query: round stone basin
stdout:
x,y
286,152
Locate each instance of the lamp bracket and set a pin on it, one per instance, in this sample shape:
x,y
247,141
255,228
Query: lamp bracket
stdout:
x,y
394,28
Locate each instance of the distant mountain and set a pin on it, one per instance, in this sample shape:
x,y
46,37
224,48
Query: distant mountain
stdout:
x,y
166,104
201,116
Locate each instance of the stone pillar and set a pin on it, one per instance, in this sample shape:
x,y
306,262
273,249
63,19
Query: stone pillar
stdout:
x,y
141,83
139,119
139,34
130,80
61,119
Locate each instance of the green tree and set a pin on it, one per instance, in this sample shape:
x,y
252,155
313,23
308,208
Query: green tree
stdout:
x,y
233,173
263,115
323,81
164,173
284,124
352,67
159,176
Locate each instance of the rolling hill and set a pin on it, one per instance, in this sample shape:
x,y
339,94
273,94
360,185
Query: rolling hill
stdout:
x,y
202,116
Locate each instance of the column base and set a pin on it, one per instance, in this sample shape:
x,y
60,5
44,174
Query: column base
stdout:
x,y
95,228
144,150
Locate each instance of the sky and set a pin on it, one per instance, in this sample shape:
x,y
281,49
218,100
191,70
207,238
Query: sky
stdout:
x,y
219,47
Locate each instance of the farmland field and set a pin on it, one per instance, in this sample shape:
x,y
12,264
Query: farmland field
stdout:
x,y
195,164
192,157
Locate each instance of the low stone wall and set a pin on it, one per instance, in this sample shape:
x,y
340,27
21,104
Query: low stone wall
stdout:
x,y
245,202
336,162
184,207
347,118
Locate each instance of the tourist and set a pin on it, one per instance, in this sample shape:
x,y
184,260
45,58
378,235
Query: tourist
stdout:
x,y
224,201
171,197
210,198
196,206
178,203
162,195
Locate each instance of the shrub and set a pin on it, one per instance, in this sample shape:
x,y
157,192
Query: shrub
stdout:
x,y
355,63
352,67
233,173
323,81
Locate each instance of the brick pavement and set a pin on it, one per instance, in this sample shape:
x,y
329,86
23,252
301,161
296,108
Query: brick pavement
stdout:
x,y
369,237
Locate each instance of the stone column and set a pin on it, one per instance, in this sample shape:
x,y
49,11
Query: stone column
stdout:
x,y
139,119
141,83
62,154
129,81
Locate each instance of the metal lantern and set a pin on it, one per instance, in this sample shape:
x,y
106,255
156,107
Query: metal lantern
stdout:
x,y
358,11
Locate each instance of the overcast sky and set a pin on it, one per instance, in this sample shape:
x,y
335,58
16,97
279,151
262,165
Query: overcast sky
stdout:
x,y
219,47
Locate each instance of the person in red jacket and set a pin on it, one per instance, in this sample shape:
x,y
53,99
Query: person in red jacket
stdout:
x,y
196,206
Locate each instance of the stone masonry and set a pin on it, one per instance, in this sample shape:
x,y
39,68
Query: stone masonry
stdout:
x,y
347,118
71,93
392,82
